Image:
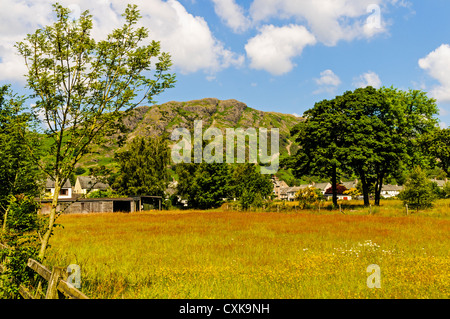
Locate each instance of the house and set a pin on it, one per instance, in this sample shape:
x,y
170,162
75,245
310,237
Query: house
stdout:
x,y
278,185
321,186
350,185
440,183
390,191
86,184
340,192
64,193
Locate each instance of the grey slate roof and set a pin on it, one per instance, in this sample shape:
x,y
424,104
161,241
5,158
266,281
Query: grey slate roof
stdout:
x,y
87,182
51,184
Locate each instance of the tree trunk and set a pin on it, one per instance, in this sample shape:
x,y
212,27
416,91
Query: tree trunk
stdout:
x,y
365,189
334,186
378,188
51,221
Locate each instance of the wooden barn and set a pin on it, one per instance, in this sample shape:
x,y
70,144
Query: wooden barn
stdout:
x,y
104,205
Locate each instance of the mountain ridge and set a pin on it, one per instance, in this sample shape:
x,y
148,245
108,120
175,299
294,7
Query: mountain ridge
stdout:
x,y
163,118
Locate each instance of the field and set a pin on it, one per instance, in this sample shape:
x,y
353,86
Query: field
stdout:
x,y
223,254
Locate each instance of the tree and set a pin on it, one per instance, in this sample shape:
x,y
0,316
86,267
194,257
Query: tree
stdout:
x,y
203,185
143,167
438,144
446,190
84,88
248,183
372,133
418,192
321,142
18,171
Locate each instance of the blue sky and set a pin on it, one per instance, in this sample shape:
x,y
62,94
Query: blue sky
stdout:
x,y
273,55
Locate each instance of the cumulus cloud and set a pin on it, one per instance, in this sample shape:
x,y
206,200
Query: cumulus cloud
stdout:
x,y
438,67
186,37
274,48
329,20
328,82
368,79
232,14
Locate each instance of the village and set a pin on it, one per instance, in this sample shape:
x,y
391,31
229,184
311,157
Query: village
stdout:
x,y
75,199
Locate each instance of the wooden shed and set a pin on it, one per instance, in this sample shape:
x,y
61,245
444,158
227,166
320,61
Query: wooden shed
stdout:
x,y
104,205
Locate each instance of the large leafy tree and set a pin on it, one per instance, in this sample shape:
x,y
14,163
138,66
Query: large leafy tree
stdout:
x,y
373,146
143,167
321,140
247,177
84,87
373,133
438,145
203,185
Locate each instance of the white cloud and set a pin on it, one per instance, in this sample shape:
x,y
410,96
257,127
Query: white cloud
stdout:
x,y
274,47
232,14
437,64
328,82
186,37
328,77
329,20
368,79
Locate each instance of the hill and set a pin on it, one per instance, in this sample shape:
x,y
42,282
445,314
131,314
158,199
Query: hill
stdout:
x,y
159,119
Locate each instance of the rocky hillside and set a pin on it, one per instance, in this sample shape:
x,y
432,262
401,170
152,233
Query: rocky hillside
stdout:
x,y
155,120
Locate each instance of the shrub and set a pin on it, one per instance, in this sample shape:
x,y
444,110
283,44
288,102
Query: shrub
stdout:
x,y
418,191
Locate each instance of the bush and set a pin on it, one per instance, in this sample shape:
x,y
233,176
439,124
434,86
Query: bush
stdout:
x,y
418,192
307,196
20,234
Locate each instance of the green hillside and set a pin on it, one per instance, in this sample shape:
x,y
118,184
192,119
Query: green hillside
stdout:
x,y
164,118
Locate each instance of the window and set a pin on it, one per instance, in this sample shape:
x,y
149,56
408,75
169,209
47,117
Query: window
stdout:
x,y
64,192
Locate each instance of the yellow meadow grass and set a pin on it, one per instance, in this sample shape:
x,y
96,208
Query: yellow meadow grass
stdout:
x,y
219,254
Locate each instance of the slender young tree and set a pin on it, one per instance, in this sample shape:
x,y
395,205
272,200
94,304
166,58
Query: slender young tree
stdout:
x,y
84,87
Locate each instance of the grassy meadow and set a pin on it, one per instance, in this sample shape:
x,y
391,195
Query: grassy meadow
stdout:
x,y
229,254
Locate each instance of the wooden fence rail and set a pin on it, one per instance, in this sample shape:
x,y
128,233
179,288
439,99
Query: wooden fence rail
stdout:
x,y
57,281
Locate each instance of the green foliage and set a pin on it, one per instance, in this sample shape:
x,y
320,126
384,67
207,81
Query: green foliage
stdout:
x,y
203,185
143,167
371,133
21,236
18,170
79,170
85,87
418,192
446,190
306,196
246,177
438,144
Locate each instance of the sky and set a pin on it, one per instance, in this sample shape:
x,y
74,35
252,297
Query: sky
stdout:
x,y
273,55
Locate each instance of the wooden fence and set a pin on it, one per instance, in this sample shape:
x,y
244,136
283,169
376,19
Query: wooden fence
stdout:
x,y
57,288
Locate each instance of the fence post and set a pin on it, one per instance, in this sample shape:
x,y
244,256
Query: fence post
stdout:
x,y
52,290
407,213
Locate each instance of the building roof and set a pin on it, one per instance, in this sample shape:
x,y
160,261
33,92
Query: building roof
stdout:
x,y
87,182
51,184
439,183
391,188
322,186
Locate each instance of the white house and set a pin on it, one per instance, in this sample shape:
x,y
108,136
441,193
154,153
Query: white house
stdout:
x,y
389,191
65,192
